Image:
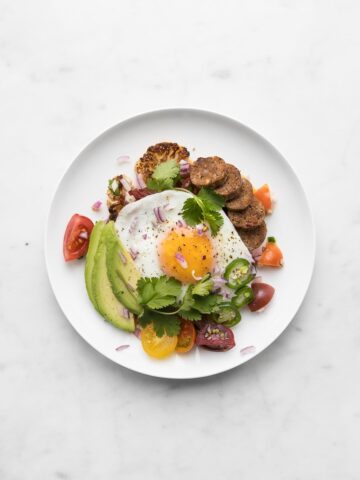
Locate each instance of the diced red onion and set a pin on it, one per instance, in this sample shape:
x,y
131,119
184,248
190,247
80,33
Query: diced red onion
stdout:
x,y
248,350
159,214
226,292
137,332
123,158
133,253
181,259
140,180
194,276
144,236
218,282
180,223
133,225
84,235
121,347
125,312
168,207
183,162
122,258
97,205
125,183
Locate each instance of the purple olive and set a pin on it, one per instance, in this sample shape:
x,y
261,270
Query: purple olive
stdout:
x,y
215,337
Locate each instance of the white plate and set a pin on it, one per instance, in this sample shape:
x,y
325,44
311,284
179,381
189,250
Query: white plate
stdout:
x,y
204,134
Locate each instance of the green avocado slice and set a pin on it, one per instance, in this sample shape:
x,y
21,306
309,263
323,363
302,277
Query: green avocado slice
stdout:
x,y
90,259
107,303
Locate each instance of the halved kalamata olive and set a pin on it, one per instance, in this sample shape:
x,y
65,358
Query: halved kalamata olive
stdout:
x,y
263,294
215,337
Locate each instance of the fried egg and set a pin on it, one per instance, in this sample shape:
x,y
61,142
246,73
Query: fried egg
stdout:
x,y
153,231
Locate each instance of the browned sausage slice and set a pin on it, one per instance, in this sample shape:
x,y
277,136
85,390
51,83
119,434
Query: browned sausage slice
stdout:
x,y
251,217
232,185
253,238
243,199
208,172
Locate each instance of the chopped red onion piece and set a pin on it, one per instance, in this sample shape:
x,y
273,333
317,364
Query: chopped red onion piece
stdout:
x,y
84,235
227,292
140,180
125,183
181,259
121,347
144,236
133,225
159,214
180,223
248,350
194,276
218,282
137,332
133,253
183,162
97,205
125,312
123,158
122,258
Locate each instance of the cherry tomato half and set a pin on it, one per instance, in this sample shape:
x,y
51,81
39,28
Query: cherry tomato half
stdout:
x,y
271,257
157,347
263,294
264,196
77,236
186,338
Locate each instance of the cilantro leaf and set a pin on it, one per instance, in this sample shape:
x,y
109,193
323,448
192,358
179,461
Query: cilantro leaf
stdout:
x,y
169,324
168,169
192,211
204,286
157,293
215,221
212,200
192,315
205,207
164,176
160,185
206,304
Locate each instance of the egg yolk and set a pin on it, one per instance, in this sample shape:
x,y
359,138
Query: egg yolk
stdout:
x,y
184,254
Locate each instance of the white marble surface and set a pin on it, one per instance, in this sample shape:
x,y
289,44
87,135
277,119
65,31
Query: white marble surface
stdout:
x,y
69,70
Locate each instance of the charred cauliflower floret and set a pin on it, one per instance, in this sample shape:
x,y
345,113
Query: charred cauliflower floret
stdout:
x,y
161,152
117,195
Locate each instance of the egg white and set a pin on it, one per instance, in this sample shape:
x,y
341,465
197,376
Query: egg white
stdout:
x,y
140,231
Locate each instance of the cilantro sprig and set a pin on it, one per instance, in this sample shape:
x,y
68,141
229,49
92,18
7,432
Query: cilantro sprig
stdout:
x,y
165,176
204,207
163,307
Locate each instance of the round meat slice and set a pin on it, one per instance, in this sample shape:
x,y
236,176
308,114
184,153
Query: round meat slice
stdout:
x,y
253,238
232,185
251,217
243,199
208,172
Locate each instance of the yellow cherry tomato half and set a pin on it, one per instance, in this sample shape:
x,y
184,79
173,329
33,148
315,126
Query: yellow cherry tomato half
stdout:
x,y
157,347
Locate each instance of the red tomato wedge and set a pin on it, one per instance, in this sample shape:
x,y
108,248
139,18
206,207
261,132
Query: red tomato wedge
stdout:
x,y
77,236
264,196
186,338
263,294
271,257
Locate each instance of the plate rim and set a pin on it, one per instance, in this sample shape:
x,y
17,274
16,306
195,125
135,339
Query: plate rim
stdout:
x,y
221,117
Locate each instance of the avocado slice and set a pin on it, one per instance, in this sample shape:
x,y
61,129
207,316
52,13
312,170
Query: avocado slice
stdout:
x,y
122,271
107,303
90,259
122,290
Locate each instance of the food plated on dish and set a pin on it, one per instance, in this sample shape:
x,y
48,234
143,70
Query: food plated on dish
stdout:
x,y
178,257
